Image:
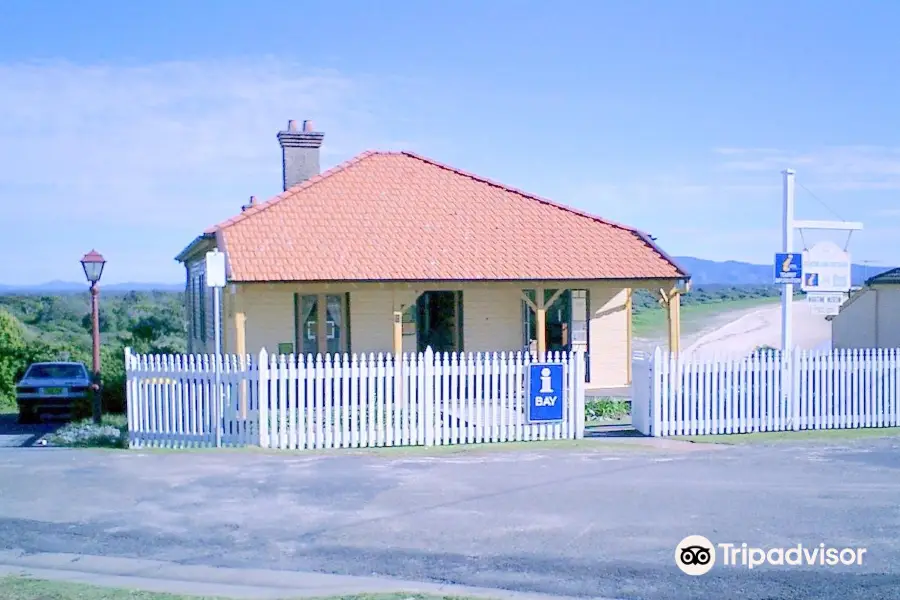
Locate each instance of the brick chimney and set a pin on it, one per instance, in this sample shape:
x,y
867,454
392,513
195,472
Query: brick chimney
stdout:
x,y
299,153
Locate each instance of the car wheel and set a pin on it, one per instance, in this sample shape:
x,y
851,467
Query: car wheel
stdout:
x,y
28,417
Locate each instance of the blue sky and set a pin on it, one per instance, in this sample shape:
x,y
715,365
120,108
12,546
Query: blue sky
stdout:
x,y
130,127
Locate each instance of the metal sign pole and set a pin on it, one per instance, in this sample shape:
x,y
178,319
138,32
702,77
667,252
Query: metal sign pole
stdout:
x,y
787,290
217,412
215,278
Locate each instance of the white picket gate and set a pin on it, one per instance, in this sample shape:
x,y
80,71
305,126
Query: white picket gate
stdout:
x,y
766,391
343,401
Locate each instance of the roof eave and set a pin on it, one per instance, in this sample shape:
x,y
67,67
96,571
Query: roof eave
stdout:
x,y
891,277
647,240
191,249
648,278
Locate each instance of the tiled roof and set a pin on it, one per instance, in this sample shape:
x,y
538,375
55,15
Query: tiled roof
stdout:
x,y
888,277
398,216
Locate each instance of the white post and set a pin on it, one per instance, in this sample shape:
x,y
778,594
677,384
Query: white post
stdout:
x,y
787,290
217,408
262,397
429,397
215,278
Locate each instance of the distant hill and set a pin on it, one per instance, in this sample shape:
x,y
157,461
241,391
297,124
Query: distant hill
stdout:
x,y
730,272
65,287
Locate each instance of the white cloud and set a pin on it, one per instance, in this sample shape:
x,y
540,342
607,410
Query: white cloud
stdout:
x,y
834,168
139,144
137,160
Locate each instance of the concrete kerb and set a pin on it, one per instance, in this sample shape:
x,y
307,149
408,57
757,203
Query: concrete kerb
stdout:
x,y
166,577
590,443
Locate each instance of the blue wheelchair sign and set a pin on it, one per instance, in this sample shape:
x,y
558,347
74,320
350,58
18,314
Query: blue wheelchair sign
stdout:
x,y
546,393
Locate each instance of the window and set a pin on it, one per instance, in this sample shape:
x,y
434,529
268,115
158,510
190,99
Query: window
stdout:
x,y
56,371
195,308
313,338
579,316
202,315
567,320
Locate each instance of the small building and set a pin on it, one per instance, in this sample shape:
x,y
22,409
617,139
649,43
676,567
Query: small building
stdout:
x,y
394,252
870,318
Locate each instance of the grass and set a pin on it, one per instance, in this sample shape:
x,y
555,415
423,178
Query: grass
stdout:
x,y
792,436
652,322
23,588
111,433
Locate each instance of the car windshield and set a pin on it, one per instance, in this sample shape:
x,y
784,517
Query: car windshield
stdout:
x,y
55,372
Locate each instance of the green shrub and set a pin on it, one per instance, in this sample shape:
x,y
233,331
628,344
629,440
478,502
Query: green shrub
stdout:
x,y
597,409
111,433
12,357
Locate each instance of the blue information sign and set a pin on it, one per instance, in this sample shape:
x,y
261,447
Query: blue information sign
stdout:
x,y
546,393
788,267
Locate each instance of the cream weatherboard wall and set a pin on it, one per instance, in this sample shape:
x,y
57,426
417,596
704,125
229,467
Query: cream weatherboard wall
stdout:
x,y
269,316
492,321
608,336
871,319
372,317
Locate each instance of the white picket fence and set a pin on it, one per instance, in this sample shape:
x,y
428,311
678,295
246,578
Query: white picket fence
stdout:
x,y
342,401
767,391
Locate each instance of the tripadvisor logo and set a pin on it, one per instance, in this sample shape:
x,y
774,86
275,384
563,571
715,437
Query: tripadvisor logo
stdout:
x,y
696,555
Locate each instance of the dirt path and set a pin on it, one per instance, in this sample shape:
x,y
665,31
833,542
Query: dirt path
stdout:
x,y
736,333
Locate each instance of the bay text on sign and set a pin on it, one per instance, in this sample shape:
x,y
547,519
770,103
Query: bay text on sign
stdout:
x,y
826,268
546,393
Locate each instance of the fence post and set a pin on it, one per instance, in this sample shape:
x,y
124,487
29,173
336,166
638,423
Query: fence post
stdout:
x,y
795,388
654,391
262,394
429,396
130,400
580,365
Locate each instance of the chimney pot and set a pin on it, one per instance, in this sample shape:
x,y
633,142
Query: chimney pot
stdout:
x,y
249,204
299,153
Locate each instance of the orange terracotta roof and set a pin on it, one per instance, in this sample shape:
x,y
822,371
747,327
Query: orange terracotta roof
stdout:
x,y
398,216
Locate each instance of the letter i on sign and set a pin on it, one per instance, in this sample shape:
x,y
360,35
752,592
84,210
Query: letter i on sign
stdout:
x,y
546,383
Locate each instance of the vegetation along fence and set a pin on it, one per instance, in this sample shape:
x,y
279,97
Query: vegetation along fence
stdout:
x,y
342,401
767,391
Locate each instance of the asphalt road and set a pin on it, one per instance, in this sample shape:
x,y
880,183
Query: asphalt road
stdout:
x,y
589,522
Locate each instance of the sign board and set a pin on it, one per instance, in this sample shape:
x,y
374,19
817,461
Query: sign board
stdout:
x,y
825,303
546,393
788,267
826,268
215,269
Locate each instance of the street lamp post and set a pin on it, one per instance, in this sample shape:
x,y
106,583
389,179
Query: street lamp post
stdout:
x,y
93,264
